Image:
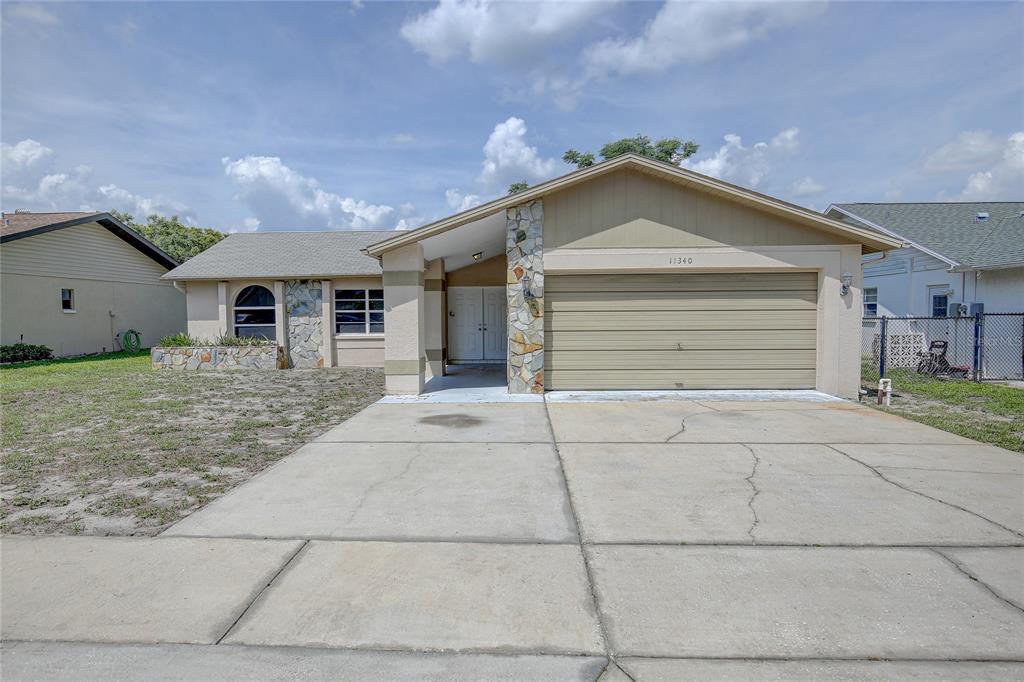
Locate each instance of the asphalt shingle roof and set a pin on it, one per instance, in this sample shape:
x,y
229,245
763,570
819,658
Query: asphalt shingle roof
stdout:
x,y
285,255
23,221
953,230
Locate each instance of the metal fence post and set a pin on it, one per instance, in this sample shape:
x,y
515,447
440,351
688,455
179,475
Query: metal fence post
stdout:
x,y
979,337
881,347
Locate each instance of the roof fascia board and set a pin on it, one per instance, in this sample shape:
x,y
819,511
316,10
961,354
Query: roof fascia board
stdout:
x,y
911,242
681,175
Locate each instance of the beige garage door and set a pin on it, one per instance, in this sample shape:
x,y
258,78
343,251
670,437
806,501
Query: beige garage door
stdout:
x,y
728,330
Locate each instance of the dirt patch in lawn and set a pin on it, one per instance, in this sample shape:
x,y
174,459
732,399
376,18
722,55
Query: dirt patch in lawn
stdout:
x,y
107,446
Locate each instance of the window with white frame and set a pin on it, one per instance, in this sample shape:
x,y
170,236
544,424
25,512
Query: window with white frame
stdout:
x,y
67,300
254,313
940,303
871,302
358,311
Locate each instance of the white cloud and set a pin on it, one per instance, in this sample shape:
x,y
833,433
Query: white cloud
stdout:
x,y
33,182
282,198
693,32
806,187
1004,180
503,32
508,158
747,166
970,149
459,202
31,11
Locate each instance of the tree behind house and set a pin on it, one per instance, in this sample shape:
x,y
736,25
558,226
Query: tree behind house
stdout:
x,y
177,240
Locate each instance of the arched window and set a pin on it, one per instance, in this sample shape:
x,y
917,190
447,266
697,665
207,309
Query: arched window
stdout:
x,y
254,313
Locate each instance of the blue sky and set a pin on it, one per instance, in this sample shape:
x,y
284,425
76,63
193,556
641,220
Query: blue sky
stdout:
x,y
379,115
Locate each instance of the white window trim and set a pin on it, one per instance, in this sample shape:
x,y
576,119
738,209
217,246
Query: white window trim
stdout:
x,y
939,290
367,334
867,303
244,308
72,309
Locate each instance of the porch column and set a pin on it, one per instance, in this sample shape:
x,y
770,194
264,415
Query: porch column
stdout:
x,y
404,320
524,246
223,308
327,313
280,316
433,293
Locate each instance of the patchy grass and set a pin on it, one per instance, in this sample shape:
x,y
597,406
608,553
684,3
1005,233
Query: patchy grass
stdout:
x,y
985,412
105,445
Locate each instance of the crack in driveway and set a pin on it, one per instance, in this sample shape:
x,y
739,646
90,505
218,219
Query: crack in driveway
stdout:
x,y
755,492
963,569
382,482
918,492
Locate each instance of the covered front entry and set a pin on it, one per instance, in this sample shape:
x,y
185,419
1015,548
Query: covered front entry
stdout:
x,y
675,331
477,324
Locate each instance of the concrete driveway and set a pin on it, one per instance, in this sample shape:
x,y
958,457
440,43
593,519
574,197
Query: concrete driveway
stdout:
x,y
641,540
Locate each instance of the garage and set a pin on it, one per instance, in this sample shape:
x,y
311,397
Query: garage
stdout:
x,y
672,331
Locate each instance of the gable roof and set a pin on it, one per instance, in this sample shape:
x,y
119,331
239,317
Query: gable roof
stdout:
x,y
284,255
950,231
23,224
872,240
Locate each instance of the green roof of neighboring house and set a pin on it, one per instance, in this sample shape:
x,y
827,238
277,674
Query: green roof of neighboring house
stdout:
x,y
952,229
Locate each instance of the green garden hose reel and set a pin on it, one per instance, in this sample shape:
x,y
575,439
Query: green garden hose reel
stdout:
x,y
131,341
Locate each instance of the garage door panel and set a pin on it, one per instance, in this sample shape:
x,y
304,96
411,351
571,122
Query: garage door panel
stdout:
x,y
680,320
740,281
686,359
738,339
583,380
690,330
609,301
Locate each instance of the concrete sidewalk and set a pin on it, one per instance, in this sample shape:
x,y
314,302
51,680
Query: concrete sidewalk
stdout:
x,y
564,540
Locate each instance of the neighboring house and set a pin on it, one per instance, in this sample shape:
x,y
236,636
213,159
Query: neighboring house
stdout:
x,y
957,254
75,281
630,274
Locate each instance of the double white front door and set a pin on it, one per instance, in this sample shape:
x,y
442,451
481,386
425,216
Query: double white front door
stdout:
x,y
477,324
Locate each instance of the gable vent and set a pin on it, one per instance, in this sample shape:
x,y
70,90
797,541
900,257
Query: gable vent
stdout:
x,y
981,216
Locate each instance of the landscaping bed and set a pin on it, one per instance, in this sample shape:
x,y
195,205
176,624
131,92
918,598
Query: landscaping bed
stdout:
x,y
105,445
984,411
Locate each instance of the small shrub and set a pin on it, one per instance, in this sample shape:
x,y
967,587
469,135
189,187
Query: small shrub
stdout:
x,y
232,340
24,352
180,339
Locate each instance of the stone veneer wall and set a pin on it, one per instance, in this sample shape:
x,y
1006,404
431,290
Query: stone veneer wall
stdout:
x,y
304,308
524,246
217,357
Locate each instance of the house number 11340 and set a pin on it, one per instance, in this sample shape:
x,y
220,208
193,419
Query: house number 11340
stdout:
x,y
680,260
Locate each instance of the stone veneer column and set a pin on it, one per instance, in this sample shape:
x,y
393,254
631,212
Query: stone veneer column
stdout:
x,y
433,298
404,320
524,246
304,306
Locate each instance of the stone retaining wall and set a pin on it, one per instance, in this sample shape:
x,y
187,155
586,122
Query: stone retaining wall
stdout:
x,y
218,357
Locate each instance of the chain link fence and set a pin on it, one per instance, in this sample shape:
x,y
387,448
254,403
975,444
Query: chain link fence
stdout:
x,y
982,347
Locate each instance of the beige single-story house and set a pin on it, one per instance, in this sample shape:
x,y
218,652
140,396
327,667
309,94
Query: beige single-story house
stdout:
x,y
629,274
75,281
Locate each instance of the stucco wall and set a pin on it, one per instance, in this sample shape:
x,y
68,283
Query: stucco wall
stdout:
x,y
30,310
1002,291
350,350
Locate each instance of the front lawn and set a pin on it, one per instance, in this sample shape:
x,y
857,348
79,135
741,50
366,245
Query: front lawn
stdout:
x,y
105,445
984,411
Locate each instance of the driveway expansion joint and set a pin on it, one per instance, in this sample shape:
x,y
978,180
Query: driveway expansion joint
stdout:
x,y
995,593
918,492
591,584
288,562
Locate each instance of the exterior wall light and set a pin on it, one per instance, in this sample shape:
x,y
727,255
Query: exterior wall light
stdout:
x,y
478,255
847,280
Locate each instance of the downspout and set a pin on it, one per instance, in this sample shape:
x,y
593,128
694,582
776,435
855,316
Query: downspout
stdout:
x,y
179,286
